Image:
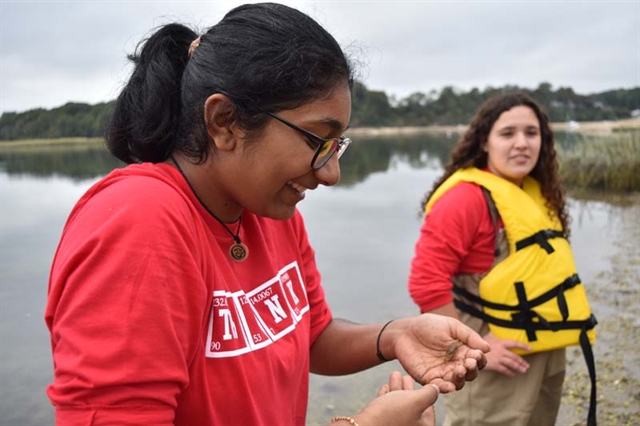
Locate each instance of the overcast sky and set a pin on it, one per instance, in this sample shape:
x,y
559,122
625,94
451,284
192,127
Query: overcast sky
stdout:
x,y
54,52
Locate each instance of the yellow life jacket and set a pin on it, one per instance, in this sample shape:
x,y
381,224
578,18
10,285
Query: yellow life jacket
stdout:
x,y
533,296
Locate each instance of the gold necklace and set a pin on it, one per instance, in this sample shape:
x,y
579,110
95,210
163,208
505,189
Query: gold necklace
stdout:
x,y
238,251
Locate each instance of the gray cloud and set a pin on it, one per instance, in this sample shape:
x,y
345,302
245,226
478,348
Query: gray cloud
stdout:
x,y
55,52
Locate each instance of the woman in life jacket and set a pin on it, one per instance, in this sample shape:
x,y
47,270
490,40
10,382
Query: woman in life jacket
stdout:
x,y
493,252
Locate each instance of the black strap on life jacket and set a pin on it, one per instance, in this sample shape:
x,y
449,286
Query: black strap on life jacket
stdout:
x,y
531,321
557,291
587,352
525,317
493,212
541,238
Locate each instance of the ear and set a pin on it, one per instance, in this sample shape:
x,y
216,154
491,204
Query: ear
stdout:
x,y
220,119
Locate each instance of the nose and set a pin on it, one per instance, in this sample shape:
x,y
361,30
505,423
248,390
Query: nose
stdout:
x,y
521,140
329,174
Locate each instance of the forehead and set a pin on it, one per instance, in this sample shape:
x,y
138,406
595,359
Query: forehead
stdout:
x,y
518,115
334,109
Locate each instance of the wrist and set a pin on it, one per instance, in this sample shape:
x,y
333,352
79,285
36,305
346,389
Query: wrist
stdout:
x,y
344,420
387,338
379,353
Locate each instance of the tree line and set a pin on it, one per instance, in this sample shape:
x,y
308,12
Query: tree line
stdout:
x,y
370,108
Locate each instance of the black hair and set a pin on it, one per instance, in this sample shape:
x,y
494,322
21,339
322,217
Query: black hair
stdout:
x,y
265,57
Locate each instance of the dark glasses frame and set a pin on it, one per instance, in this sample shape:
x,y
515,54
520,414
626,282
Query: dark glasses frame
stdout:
x,y
338,145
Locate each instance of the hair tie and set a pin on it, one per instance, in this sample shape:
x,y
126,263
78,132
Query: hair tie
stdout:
x,y
194,44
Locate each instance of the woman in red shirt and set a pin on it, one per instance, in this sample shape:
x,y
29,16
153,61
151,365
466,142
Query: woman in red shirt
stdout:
x,y
502,179
184,289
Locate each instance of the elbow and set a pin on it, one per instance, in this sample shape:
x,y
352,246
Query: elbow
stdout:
x,y
429,297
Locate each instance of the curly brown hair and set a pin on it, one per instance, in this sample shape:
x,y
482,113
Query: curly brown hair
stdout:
x,y
469,151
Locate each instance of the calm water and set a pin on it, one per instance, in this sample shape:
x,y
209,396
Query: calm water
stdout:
x,y
363,231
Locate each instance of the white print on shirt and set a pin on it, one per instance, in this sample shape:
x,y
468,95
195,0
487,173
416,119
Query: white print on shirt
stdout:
x,y
242,322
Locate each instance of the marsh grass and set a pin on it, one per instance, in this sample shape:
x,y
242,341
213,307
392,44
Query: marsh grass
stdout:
x,y
606,163
609,163
33,145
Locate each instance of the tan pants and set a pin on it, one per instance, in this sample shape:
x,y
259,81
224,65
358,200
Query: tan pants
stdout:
x,y
529,399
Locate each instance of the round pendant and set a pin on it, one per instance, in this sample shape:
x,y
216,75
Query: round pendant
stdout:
x,y
238,252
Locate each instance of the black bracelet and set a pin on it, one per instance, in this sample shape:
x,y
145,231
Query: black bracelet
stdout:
x,y
380,356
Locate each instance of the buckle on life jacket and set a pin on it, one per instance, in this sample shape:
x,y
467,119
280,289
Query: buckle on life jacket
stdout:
x,y
525,317
541,238
525,320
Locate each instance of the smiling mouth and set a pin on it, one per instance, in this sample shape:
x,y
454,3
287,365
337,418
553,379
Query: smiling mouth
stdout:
x,y
298,188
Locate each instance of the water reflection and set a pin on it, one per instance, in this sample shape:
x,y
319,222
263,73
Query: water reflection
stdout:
x,y
367,156
364,157
363,231
73,161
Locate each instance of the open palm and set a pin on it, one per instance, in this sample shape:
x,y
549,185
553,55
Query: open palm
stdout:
x,y
440,350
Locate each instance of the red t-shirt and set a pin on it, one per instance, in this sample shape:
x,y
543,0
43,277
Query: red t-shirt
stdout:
x,y
456,237
152,322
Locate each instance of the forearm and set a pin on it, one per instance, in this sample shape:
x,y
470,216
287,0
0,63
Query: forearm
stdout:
x,y
345,347
448,309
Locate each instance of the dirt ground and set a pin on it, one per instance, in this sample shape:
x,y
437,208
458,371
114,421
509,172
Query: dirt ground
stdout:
x,y
615,298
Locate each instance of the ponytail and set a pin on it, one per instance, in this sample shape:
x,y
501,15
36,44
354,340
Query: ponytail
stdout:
x,y
147,114
291,61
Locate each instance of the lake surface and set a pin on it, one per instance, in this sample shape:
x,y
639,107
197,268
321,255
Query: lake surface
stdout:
x,y
363,230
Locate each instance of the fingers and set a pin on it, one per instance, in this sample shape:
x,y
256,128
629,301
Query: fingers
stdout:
x,y
478,356
429,417
519,363
396,382
506,362
432,394
471,375
401,407
506,370
482,362
469,337
425,398
471,365
511,360
510,344
452,380
515,363
459,376
443,386
502,359
383,389
407,383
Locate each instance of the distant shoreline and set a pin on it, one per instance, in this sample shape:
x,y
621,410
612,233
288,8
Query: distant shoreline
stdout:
x,y
587,127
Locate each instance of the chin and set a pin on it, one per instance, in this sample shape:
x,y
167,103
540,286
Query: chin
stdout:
x,y
282,213
516,178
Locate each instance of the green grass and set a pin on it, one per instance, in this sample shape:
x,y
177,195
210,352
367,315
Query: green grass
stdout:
x,y
606,163
32,145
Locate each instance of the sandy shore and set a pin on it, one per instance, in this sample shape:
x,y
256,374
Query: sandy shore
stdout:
x,y
589,127
615,295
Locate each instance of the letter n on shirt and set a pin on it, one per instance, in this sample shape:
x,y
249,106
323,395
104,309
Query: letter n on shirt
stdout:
x,y
242,322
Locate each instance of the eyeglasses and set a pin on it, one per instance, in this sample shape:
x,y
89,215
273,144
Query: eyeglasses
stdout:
x,y
325,148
